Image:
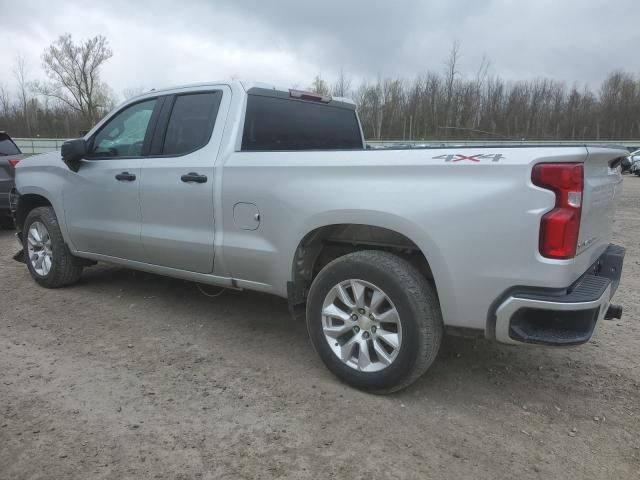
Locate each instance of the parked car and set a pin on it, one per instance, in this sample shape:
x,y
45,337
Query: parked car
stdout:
x,y
10,155
250,186
634,162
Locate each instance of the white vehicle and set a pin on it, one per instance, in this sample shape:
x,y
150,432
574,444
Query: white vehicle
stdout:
x,y
634,158
250,186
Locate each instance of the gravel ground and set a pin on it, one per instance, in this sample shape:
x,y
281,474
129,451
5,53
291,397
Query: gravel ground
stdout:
x,y
130,375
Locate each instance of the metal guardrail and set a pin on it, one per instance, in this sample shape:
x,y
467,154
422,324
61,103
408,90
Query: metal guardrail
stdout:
x,y
39,145
43,145
634,144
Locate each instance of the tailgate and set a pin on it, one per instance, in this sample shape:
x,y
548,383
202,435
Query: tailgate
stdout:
x,y
602,186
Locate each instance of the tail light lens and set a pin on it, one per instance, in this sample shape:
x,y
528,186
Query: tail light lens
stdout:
x,y
560,227
13,162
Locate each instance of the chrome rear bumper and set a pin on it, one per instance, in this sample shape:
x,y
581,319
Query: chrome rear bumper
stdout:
x,y
561,318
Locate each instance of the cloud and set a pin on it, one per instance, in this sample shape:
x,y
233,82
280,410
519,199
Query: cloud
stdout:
x,y
288,42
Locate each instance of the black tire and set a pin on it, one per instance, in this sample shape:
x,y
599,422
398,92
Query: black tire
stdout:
x,y
415,300
65,268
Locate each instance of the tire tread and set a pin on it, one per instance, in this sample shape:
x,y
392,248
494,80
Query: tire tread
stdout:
x,y
66,268
423,299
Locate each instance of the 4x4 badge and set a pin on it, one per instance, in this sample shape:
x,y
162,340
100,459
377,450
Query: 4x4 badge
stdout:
x,y
458,157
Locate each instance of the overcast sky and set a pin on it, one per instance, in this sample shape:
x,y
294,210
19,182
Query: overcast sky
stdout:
x,y
288,42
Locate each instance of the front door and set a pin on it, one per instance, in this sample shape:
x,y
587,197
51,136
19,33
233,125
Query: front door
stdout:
x,y
102,205
177,188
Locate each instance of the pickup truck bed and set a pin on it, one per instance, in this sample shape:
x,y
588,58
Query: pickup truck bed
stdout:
x,y
249,186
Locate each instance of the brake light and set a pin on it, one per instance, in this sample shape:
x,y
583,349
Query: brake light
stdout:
x,y
314,97
560,227
13,162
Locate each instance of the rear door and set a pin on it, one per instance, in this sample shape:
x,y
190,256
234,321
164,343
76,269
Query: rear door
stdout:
x,y
102,207
177,188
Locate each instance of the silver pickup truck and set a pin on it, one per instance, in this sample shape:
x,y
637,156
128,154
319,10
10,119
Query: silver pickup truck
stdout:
x,y
248,186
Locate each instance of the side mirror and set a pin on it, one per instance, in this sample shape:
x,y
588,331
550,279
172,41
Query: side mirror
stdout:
x,y
72,152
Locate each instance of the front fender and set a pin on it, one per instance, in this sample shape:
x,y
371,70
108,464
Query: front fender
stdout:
x,y
46,181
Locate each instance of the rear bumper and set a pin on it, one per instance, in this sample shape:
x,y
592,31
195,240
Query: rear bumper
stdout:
x,y
565,317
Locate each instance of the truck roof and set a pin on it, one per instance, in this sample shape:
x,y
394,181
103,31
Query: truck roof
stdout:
x,y
246,85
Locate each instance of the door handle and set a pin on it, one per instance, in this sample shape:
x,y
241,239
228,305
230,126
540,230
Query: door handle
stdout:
x,y
125,177
194,177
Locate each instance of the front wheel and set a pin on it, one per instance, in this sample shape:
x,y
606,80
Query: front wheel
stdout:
x,y
374,320
47,256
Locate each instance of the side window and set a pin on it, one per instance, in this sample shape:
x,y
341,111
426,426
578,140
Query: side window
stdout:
x,y
123,135
191,122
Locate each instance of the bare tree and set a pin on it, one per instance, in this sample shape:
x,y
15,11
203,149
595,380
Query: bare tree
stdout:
x,y
20,74
483,71
342,87
450,78
5,102
74,73
481,79
319,86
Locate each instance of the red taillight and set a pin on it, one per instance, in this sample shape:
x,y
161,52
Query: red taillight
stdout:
x,y
13,162
560,227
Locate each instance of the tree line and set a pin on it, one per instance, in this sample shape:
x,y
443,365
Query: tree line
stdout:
x,y
428,107
71,100
445,105
439,104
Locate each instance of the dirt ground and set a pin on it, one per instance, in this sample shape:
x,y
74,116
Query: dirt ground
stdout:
x,y
130,375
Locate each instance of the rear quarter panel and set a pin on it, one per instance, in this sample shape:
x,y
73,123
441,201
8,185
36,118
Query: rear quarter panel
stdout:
x,y
475,221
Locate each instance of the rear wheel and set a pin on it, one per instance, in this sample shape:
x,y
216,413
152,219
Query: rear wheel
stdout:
x,y
374,320
47,256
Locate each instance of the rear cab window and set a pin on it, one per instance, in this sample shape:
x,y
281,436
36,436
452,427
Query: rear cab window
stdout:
x,y
274,121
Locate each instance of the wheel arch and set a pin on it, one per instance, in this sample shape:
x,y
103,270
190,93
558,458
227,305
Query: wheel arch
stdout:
x,y
26,203
38,186
325,243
